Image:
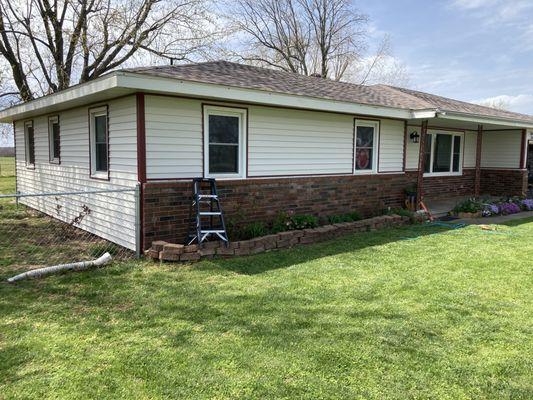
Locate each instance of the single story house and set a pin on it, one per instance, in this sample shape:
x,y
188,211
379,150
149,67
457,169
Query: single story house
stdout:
x,y
275,141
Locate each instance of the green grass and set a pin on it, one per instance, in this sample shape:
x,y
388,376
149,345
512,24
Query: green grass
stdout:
x,y
414,312
7,166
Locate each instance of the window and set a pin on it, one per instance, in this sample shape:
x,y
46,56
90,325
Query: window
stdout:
x,y
366,139
224,142
53,139
99,143
443,154
29,142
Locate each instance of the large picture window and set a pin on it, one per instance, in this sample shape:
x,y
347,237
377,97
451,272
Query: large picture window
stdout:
x,y
53,138
99,143
366,139
29,144
443,154
224,141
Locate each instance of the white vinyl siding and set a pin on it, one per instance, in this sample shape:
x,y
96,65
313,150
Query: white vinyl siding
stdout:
x,y
412,149
173,137
470,149
391,145
112,214
293,142
501,149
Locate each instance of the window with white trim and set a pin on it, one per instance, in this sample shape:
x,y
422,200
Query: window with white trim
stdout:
x,y
99,142
443,154
29,144
224,142
366,142
53,139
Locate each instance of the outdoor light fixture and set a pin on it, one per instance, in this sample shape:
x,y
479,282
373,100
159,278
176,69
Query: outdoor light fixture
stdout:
x,y
414,136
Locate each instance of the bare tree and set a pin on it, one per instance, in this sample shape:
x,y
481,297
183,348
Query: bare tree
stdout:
x,y
310,37
51,44
498,103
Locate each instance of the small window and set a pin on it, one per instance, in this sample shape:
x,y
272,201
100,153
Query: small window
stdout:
x,y
443,154
366,138
53,138
224,139
29,141
99,143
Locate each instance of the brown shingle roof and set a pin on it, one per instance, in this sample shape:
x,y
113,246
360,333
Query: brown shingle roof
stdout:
x,y
250,77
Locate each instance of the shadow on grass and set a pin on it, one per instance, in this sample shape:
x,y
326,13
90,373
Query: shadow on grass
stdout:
x,y
257,264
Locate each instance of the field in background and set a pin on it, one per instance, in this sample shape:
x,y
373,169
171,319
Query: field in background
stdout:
x,y
7,166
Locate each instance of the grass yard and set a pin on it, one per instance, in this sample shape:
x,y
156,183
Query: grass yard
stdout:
x,y
7,166
413,312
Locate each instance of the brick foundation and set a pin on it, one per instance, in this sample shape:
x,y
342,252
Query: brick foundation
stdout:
x,y
504,182
166,204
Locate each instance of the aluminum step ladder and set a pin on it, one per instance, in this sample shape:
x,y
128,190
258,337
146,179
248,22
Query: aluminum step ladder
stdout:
x,y
206,216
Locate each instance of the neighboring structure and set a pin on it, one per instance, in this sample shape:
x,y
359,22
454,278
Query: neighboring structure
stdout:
x,y
276,141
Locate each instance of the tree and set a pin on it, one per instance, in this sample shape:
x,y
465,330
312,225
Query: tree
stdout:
x,y
51,44
323,38
310,37
498,103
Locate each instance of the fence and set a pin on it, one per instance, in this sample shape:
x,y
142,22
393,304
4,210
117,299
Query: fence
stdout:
x,y
7,166
44,229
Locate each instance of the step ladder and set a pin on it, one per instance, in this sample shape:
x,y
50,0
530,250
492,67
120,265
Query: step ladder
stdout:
x,y
206,216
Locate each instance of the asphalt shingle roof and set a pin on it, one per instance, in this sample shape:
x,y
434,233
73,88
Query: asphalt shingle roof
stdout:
x,y
250,77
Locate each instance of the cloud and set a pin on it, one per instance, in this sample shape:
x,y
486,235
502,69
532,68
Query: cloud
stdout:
x,y
522,103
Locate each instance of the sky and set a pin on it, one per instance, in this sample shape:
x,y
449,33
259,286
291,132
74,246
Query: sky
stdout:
x,y
470,50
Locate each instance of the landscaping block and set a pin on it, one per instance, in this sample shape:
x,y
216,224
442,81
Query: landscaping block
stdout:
x,y
190,256
158,245
171,248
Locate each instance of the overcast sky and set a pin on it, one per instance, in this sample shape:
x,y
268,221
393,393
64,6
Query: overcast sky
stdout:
x,y
465,49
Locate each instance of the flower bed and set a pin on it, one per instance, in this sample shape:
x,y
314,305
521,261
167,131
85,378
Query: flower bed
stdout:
x,y
473,208
176,252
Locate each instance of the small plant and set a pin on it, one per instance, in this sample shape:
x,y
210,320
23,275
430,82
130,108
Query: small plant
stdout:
x,y
303,222
281,223
490,210
337,219
253,230
402,212
527,204
509,208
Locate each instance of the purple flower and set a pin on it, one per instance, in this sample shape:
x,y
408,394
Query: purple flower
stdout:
x,y
494,209
509,208
527,204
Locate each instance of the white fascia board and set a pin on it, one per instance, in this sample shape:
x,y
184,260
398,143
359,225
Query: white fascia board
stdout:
x,y
74,93
229,93
481,119
423,114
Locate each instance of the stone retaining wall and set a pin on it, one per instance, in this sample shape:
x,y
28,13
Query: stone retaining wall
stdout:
x,y
164,251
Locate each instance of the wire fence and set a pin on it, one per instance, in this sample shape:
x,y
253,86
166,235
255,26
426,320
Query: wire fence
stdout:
x,y
7,166
46,229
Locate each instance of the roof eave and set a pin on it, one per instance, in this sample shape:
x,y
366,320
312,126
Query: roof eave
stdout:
x,y
484,119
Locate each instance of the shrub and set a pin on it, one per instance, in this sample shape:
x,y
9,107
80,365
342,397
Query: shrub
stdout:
x,y
281,223
468,206
490,210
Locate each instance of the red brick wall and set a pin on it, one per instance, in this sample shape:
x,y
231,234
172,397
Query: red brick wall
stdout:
x,y
166,204
439,186
504,182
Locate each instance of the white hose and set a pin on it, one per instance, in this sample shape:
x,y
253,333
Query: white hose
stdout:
x,y
79,266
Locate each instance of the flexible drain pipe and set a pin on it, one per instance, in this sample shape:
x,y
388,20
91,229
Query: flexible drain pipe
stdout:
x,y
79,266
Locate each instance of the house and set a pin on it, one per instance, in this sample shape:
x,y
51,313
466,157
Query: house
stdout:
x,y
275,141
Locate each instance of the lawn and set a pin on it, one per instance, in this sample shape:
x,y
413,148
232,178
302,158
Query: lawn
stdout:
x,y
7,166
413,312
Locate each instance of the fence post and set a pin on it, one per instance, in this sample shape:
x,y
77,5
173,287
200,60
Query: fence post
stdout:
x,y
138,250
